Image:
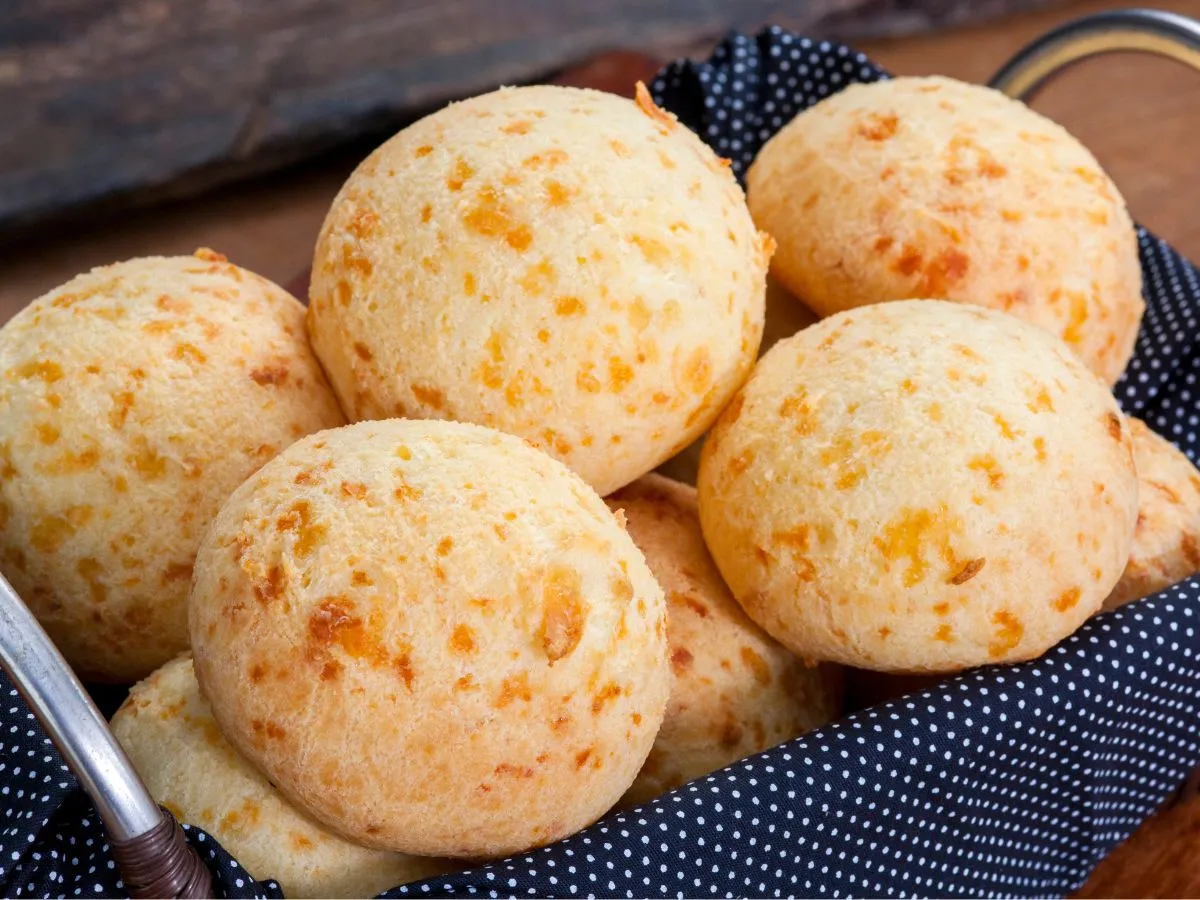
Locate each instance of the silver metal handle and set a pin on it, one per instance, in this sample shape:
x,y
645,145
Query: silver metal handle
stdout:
x,y
74,724
1142,30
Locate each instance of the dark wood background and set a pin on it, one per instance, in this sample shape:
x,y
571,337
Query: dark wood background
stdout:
x,y
110,102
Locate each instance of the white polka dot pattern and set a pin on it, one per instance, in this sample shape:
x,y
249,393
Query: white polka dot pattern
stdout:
x,y
1003,782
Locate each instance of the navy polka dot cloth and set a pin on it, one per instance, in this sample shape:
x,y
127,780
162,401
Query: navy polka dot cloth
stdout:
x,y
1007,781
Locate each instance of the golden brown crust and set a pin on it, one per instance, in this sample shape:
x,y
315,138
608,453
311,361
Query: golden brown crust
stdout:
x,y
173,740
931,188
564,265
136,397
734,691
432,637
1166,541
867,494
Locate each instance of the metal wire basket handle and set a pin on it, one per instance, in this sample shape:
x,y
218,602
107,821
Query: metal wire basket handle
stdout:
x,y
147,842
149,846
1141,30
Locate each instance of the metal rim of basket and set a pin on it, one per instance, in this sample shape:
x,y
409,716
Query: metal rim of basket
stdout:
x,y
153,855
1153,31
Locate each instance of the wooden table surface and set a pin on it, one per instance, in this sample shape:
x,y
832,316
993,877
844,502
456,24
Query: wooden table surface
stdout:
x,y
1140,116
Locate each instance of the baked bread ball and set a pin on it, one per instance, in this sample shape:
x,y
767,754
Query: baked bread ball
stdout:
x,y
561,264
1166,541
169,732
432,637
135,398
931,188
734,691
919,486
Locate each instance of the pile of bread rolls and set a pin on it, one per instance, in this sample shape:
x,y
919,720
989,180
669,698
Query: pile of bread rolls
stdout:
x,y
471,621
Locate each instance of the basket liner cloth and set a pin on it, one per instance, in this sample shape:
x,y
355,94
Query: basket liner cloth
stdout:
x,y
1006,781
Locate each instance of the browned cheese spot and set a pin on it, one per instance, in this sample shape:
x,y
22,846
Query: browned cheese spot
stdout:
x,y
697,371
186,351
271,730
89,570
582,757
430,396
757,665
1008,633
355,489
177,571
559,194
609,692
740,463
912,534
1041,401
943,272
513,771
586,381
654,251
270,374
909,262
403,666
797,409
551,159
662,119
564,612
877,127
491,216
514,688
681,660
1164,489
1006,430
620,373
462,640
299,521
987,465
1191,549
459,175
362,225
46,433
1067,599
969,570
146,461
537,278
569,306
690,602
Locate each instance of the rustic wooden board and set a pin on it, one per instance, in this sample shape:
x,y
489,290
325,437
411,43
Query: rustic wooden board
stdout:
x,y
1161,859
139,100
